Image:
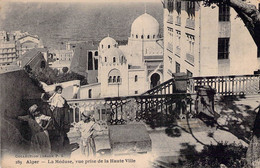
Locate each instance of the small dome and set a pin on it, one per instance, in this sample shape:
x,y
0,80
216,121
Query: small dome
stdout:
x,y
107,43
145,26
113,55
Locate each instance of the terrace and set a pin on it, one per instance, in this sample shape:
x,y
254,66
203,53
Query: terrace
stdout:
x,y
173,104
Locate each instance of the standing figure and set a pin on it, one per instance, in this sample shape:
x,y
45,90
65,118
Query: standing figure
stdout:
x,y
40,143
87,127
58,113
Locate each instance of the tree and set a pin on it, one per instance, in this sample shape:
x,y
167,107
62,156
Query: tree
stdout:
x,y
250,16
248,12
65,69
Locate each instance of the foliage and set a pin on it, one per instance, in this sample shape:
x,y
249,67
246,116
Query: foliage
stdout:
x,y
231,155
51,76
65,69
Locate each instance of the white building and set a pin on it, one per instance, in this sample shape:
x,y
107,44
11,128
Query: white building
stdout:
x,y
206,41
14,44
133,68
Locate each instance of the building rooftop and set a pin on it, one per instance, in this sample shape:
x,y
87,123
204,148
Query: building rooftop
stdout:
x,y
80,59
30,55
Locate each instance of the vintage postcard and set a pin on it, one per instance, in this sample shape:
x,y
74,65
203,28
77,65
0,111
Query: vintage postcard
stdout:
x,y
129,83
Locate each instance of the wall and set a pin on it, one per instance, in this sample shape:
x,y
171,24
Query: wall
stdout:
x,y
95,91
16,91
113,89
140,85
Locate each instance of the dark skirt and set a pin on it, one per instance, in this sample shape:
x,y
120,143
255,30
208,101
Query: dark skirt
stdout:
x,y
40,143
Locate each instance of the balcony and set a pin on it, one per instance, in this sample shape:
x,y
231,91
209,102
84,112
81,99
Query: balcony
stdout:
x,y
170,47
178,51
190,24
170,19
178,20
190,58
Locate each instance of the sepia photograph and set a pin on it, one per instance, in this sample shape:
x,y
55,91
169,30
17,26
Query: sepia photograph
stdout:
x,y
130,83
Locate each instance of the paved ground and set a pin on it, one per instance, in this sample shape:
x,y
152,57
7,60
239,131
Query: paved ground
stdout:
x,y
168,148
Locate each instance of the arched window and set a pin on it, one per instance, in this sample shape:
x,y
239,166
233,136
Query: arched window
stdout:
x,y
90,61
96,53
114,59
136,78
110,79
136,36
148,36
102,46
114,79
153,36
89,93
108,46
105,59
114,76
142,37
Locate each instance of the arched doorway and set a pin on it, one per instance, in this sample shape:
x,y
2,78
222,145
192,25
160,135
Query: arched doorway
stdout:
x,y
155,80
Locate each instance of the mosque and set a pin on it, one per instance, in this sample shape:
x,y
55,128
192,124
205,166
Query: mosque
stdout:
x,y
129,69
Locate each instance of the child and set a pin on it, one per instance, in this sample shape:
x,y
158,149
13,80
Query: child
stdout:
x,y
58,113
87,127
56,100
40,142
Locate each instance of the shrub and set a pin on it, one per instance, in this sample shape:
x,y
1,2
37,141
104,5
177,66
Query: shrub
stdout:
x,y
230,155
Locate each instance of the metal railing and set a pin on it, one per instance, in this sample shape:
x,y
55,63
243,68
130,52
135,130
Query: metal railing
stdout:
x,y
178,51
178,20
190,23
161,105
156,110
170,19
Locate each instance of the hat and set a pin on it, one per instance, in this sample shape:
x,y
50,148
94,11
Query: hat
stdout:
x,y
87,113
33,108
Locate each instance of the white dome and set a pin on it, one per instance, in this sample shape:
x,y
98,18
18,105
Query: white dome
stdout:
x,y
113,55
107,43
145,26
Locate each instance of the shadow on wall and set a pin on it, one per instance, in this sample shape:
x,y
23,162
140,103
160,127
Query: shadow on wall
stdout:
x,y
16,88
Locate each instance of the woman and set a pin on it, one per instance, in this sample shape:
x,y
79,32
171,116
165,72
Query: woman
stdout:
x,y
40,143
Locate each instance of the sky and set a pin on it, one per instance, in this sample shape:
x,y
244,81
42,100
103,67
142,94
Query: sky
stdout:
x,y
89,1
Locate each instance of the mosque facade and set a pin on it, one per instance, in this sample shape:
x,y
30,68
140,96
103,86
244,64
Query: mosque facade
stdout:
x,y
132,69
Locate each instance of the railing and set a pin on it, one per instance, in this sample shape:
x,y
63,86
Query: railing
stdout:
x,y
227,85
190,58
178,20
97,105
178,51
161,105
170,47
166,87
170,19
155,110
190,23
